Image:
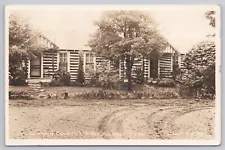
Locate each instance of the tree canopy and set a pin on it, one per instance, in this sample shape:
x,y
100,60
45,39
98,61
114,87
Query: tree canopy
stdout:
x,y
21,47
20,38
126,34
210,15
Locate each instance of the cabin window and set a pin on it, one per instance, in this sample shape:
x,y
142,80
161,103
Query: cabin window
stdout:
x,y
63,57
89,62
89,58
63,61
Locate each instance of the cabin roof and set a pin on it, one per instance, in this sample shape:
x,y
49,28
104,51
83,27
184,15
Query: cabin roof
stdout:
x,y
42,36
79,47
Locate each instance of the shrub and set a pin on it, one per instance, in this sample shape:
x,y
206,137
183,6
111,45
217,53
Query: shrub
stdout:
x,y
65,78
104,76
45,84
55,82
198,79
75,83
61,78
18,78
139,76
19,95
166,82
153,93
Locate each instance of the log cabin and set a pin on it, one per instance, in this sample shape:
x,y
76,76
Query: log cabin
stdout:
x,y
55,58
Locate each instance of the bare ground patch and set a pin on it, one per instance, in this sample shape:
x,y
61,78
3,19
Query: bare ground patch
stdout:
x,y
112,119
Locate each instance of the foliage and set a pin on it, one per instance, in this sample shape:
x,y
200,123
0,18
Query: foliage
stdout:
x,y
198,79
210,15
75,83
61,78
80,75
17,70
19,30
128,35
21,47
18,77
167,82
19,95
104,76
55,82
21,38
122,95
139,76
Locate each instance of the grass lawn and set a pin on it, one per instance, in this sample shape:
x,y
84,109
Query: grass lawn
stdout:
x,y
76,89
55,89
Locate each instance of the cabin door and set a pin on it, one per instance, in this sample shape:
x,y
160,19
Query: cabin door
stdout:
x,y
35,67
154,68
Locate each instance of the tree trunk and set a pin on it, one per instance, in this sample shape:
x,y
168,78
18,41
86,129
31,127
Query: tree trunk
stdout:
x,y
128,73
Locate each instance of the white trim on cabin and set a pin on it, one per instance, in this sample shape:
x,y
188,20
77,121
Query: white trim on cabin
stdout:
x,y
68,61
159,67
41,65
28,69
94,63
84,61
172,62
58,60
149,67
120,71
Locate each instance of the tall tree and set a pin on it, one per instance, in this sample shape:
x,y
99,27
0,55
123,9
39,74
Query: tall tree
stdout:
x,y
20,46
129,35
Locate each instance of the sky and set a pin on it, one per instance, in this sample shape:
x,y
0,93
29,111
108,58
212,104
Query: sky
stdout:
x,y
71,28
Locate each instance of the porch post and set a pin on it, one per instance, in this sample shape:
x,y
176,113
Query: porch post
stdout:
x,y
28,69
158,67
120,69
68,61
57,60
171,62
41,65
149,67
84,61
124,70
94,62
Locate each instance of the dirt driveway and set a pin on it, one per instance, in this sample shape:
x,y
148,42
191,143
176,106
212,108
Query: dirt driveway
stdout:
x,y
112,119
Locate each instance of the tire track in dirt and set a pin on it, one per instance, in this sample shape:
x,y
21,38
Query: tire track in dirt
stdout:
x,y
154,119
169,124
158,122
137,127
163,126
110,125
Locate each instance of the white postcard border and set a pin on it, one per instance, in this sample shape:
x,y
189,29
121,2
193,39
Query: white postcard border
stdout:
x,y
217,141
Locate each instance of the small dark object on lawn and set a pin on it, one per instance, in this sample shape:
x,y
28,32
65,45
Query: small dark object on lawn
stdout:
x,y
66,95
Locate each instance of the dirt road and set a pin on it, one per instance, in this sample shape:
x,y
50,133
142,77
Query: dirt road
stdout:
x,y
114,119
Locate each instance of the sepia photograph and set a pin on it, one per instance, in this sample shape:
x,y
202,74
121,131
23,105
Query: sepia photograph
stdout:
x,y
112,75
